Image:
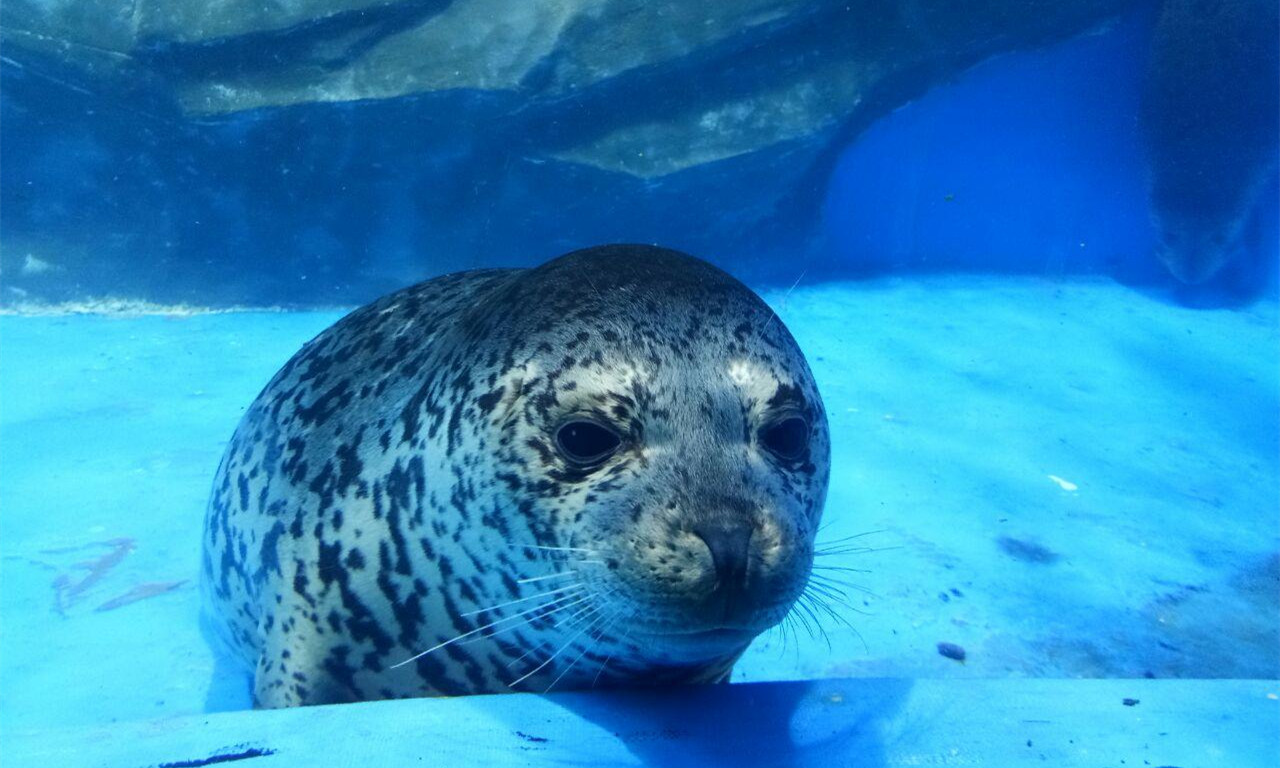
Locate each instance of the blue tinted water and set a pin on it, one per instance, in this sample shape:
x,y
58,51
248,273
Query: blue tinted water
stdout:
x,y
1040,147
1065,479
1062,470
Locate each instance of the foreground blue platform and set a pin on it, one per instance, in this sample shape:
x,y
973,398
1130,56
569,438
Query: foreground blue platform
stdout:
x,y
867,722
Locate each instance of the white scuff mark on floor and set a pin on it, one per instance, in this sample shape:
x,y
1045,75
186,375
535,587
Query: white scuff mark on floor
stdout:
x,y
1065,485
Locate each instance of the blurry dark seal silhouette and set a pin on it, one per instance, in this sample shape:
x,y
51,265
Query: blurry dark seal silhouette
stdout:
x,y
604,471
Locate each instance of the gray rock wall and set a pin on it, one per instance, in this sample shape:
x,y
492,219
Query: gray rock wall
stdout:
x,y
1212,114
310,151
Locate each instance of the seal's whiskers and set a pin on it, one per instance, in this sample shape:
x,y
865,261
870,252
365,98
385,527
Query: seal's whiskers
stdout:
x,y
566,644
847,539
834,591
810,619
576,586
560,575
568,622
848,545
558,549
622,641
561,622
840,568
551,608
600,633
819,598
486,626
786,632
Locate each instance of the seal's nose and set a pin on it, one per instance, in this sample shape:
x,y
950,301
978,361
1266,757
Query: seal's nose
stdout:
x,y
729,544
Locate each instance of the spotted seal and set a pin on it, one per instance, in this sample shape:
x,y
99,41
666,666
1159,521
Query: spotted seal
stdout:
x,y
604,471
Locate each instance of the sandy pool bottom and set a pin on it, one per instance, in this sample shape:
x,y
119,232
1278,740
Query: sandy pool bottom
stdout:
x,y
1063,480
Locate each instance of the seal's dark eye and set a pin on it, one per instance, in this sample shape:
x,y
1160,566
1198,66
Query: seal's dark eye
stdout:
x,y
586,443
786,439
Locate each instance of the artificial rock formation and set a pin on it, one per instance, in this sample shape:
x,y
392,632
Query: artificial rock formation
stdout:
x,y
338,148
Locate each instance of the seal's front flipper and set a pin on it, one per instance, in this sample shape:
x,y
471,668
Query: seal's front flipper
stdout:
x,y
291,669
271,688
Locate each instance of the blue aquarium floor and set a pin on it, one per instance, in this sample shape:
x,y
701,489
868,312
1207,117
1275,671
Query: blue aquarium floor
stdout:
x,y
1065,480
865,723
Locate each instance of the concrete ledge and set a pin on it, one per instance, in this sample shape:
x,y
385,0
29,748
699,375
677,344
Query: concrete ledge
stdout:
x,y
867,722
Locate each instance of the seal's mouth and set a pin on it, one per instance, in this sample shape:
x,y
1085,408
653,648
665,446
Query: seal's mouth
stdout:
x,y
714,633
694,646
697,643
702,624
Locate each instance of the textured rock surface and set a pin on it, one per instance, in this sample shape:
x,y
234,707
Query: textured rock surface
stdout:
x,y
320,151
713,80
1212,99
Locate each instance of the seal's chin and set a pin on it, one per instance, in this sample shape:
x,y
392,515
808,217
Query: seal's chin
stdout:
x,y
727,635
701,630
690,646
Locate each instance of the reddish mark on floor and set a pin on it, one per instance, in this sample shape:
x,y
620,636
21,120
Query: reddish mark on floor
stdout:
x,y
67,592
140,592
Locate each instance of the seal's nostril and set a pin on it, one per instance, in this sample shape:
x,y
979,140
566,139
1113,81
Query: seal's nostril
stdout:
x,y
728,544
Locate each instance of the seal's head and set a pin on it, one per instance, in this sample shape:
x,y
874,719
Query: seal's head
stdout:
x,y
653,419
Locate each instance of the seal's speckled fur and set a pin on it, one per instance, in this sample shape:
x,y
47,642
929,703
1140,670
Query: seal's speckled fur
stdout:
x,y
398,485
